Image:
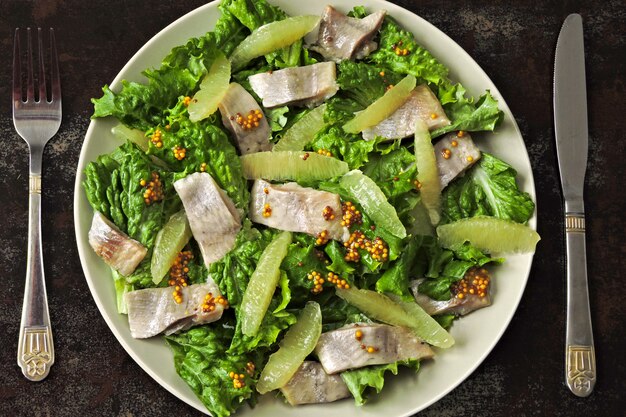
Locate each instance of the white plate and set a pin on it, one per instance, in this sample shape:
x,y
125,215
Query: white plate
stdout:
x,y
407,394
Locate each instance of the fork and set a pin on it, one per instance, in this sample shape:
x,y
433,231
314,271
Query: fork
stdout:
x,y
36,120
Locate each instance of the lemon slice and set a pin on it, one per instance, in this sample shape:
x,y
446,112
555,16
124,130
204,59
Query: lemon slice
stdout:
x,y
262,284
270,37
383,107
303,131
168,243
212,90
489,234
298,343
427,172
398,313
291,165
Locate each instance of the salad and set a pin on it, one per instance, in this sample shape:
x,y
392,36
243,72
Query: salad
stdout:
x,y
296,215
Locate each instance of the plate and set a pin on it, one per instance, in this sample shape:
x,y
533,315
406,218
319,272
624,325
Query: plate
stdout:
x,y
406,394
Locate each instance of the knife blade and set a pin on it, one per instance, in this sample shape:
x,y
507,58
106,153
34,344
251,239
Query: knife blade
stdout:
x,y
571,134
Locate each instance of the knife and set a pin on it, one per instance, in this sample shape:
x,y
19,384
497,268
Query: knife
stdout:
x,y
570,130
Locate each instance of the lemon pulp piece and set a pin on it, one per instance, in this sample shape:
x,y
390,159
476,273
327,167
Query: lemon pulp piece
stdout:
x,y
427,172
489,234
212,90
291,165
373,201
298,343
270,37
168,243
303,131
262,284
383,107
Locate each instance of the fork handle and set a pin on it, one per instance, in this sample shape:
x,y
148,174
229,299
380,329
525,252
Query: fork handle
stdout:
x,y
580,357
35,352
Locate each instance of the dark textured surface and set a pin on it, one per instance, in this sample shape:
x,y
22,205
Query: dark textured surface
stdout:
x,y
513,41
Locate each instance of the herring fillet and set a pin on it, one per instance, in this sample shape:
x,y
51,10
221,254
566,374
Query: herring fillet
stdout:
x,y
213,218
296,209
302,86
340,349
343,37
153,310
238,102
454,305
421,104
312,385
115,247
463,153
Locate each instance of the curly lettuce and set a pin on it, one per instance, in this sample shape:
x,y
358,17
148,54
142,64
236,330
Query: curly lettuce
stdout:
x,y
363,82
142,105
399,51
200,358
232,274
253,14
363,382
113,187
207,148
489,188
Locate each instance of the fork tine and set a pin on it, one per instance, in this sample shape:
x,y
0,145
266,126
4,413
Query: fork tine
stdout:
x,y
41,80
30,87
55,79
17,66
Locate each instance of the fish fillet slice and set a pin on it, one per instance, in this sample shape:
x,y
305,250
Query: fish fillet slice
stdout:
x,y
312,385
154,310
302,86
115,247
342,349
213,218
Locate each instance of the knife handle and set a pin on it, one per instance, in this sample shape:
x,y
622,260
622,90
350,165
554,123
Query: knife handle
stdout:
x,y
580,359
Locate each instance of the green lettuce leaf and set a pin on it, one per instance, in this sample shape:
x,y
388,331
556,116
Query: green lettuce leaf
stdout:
x,y
395,280
422,256
121,288
394,172
338,263
112,185
418,61
349,147
467,115
393,169
276,118
364,83
463,111
204,143
142,105
364,381
98,179
275,321
232,274
339,110
200,358
369,229
489,188
302,258
443,267
255,13
360,85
